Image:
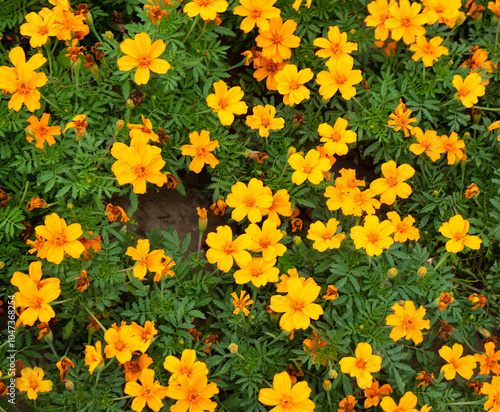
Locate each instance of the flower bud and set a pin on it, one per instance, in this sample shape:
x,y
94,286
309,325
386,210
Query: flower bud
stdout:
x,y
109,35
332,373
292,150
30,132
181,341
130,103
77,64
392,273
120,124
483,332
89,20
202,218
69,205
327,385
69,385
422,271
297,240
2,265
233,348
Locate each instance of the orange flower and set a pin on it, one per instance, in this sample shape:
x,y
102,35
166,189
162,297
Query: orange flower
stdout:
x,y
42,131
374,236
454,148
223,250
144,130
265,240
332,293
492,389
63,366
146,260
339,77
168,263
226,102
256,12
362,366
355,202
93,356
268,70
206,9
406,404
80,125
428,51
68,25
286,397
150,392
312,167
479,300
240,302
392,184
218,207
31,381
83,281
39,27
406,22
200,148
263,120
324,235
456,230
277,41
59,239
428,143
142,54
193,395
426,378
336,47
253,200
133,369
337,137
464,366
90,243
445,299
408,322
495,7
36,203
374,394
121,342
471,191
143,334
404,228
469,89
489,362
401,119
185,366
379,13
259,271
114,212
316,346
154,9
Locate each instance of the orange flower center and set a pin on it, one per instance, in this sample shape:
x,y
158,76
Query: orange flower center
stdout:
x,y
335,48
277,38
265,123
185,371
372,238
255,13
59,241
134,367
144,62
340,79
294,85
36,303
405,22
200,151
463,92
228,249
361,364
145,129
265,243
286,402
23,88
307,169
298,306
81,124
249,202
119,346
458,237
140,171
193,396
222,103
255,273
392,181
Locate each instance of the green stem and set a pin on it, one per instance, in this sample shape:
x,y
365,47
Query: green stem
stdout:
x,y
93,317
191,29
24,194
496,36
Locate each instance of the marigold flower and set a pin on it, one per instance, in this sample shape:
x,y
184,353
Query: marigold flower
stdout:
x,y
226,103
143,334
464,366
268,70
83,281
150,392
36,203
31,381
428,51
479,300
206,9
142,54
488,362
200,149
133,369
312,167
428,143
379,13
404,228
445,329
454,148
114,212
240,302
355,202
426,378
79,124
495,8
340,76
168,263
281,206
223,249
138,164
146,260
362,365
401,119
289,82
471,191
456,229
185,366
406,404
263,120
443,11
265,240
256,12
59,239
68,25
444,300
144,130
154,9
347,404
336,47
35,295
324,235
392,184
408,322
347,180
406,22
374,236
316,346
277,41
39,27
469,89
121,342
93,356
63,366
332,293
492,389
43,132
259,271
286,397
297,305
374,394
336,138
218,207
253,200
297,3
193,395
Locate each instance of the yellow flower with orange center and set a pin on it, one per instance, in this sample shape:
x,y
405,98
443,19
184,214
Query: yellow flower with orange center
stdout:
x,y
454,148
311,167
286,397
379,14
186,366
39,27
336,47
93,356
324,235
281,205
226,102
144,130
31,381
42,131
428,51
469,89
143,55
374,236
79,124
146,260
223,250
192,394
121,342
297,306
206,9
336,138
428,143
356,202
404,228
392,184
443,11
408,322
401,119
253,200
200,149
456,230
259,271
240,302
67,25
154,9
406,404
362,365
278,40
492,389
144,334
256,12
464,366
133,369
489,361
265,240
406,22
263,120
149,392
339,77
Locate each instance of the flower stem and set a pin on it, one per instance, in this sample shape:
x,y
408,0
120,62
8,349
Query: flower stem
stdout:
x,y
93,317
191,29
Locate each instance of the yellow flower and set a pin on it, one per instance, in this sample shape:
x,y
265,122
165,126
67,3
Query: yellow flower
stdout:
x,y
142,54
223,250
226,103
379,13
35,294
121,342
408,322
336,47
488,362
59,239
428,51
495,8
150,392
39,27
468,89
324,236
193,395
454,148
206,9
144,130
311,167
406,404
259,271
404,228
185,366
240,302
285,397
265,240
256,12
80,125
93,356
428,143
456,229
31,381
401,119
146,260
263,120
168,263
355,202
297,305
464,366
406,22
268,70
281,206
340,76
277,41
200,149
362,365
392,184
133,369
43,132
253,200
337,137
143,334
138,164
290,83
374,236
492,389
444,11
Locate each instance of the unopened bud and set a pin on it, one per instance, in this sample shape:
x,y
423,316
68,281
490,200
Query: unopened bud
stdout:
x,y
202,218
476,116
361,326
69,385
130,103
120,124
460,20
181,341
30,132
292,150
352,31
94,69
327,385
392,273
109,35
332,373
297,240
89,19
69,205
233,348
422,271
77,64
2,265
483,332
